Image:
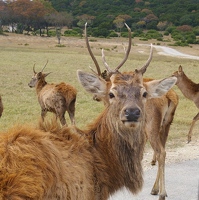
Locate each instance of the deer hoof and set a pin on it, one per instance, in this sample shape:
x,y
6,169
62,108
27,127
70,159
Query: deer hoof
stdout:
x,y
154,192
153,162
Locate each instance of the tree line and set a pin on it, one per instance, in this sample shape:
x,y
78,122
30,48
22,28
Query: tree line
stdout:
x,y
106,18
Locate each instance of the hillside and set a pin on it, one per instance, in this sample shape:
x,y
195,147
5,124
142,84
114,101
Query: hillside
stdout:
x,y
146,12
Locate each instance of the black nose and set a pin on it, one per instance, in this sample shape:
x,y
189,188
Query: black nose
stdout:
x,y
132,114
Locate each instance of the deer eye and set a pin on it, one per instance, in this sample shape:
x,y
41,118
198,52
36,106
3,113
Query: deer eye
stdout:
x,y
111,95
145,94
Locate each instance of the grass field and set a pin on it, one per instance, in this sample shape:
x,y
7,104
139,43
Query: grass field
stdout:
x,y
19,54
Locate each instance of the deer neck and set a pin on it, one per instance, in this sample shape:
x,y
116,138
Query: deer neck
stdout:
x,y
40,84
120,149
187,87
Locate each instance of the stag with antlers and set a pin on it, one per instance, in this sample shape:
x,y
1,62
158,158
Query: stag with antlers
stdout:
x,y
89,164
159,115
191,91
56,98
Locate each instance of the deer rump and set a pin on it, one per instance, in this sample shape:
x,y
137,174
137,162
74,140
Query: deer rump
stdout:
x,y
53,97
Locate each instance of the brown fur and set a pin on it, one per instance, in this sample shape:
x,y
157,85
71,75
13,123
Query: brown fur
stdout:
x,y
56,98
191,91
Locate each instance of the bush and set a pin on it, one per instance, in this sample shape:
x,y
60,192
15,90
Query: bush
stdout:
x,y
166,33
124,34
113,34
71,33
52,33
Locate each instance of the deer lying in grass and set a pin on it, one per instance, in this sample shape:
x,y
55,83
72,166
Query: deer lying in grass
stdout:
x,y
1,106
86,164
191,91
56,98
159,116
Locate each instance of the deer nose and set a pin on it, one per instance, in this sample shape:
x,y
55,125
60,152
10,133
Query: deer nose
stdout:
x,y
132,114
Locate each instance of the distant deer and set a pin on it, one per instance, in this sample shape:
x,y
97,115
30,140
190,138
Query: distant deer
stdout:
x,y
159,116
190,90
56,98
1,106
89,164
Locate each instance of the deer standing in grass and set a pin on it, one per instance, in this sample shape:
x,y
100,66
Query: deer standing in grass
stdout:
x,y
191,91
159,116
89,164
56,98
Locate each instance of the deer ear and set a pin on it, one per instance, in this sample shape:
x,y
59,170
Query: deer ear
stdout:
x,y
180,68
157,88
92,83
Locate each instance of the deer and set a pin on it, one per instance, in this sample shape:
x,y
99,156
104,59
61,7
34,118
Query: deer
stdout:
x,y
52,162
55,98
191,91
158,122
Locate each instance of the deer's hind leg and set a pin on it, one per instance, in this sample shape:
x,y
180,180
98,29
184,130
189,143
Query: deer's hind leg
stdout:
x,y
71,111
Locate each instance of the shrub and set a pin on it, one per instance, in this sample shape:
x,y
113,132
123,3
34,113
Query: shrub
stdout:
x,y
71,33
113,34
166,33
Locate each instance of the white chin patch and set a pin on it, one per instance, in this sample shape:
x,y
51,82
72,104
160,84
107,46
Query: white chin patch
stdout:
x,y
130,124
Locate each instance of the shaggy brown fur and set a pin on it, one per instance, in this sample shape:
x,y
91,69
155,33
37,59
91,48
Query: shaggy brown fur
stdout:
x,y
191,91
56,98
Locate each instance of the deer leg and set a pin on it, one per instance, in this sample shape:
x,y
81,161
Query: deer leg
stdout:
x,y
43,113
153,162
71,112
60,113
159,185
196,118
62,119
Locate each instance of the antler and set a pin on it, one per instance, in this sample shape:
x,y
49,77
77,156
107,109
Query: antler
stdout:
x,y
143,69
128,50
44,66
90,52
110,71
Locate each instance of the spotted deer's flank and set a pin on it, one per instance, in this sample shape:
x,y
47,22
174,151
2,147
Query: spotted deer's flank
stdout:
x,y
56,98
91,164
191,91
159,116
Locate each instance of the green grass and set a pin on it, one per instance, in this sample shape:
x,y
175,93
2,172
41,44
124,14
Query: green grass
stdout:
x,y
20,101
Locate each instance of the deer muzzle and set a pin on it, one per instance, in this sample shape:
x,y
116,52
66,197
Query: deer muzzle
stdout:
x,y
130,116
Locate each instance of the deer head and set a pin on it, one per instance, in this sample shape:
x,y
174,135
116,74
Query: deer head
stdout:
x,y
38,76
126,92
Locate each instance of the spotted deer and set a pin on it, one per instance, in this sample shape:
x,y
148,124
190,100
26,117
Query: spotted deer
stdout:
x,y
191,91
55,98
91,164
159,116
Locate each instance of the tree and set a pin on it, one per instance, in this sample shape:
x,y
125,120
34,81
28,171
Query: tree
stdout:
x,y
119,23
59,19
30,14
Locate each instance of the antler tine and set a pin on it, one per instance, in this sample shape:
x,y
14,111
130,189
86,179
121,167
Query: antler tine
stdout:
x,y
143,69
34,69
44,66
90,52
104,61
128,50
